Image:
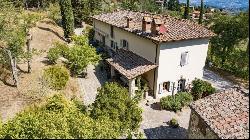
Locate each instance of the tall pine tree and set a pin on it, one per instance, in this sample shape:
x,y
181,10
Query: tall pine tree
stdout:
x,y
67,17
186,12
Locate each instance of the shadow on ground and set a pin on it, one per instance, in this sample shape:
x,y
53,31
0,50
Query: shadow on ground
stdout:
x,y
52,31
166,132
156,106
101,75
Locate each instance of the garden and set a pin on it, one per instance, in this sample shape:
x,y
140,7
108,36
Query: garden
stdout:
x,y
112,115
200,89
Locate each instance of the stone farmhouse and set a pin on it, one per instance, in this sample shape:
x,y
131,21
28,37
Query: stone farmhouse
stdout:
x,y
223,115
167,52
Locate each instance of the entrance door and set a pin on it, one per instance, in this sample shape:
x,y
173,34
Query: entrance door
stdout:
x,y
181,85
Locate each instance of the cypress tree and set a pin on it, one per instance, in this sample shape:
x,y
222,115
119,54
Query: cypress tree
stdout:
x,y
201,13
186,12
67,17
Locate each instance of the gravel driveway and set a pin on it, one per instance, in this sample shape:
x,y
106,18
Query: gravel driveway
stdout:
x,y
218,82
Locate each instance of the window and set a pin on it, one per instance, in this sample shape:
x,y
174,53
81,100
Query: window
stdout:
x,y
113,45
181,85
116,46
124,44
112,31
184,59
166,86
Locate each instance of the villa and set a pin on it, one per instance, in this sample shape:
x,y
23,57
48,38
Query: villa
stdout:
x,y
167,52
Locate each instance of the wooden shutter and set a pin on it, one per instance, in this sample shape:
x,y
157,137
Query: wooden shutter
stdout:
x,y
168,86
121,43
126,44
111,31
161,88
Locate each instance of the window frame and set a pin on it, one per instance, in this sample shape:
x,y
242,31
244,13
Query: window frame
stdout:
x,y
186,60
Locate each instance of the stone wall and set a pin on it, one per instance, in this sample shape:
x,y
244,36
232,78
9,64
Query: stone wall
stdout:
x,y
198,129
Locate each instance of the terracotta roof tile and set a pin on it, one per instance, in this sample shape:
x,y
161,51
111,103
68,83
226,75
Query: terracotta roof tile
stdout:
x,y
130,64
227,113
178,29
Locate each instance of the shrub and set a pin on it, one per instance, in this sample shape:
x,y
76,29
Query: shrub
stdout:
x,y
81,40
185,98
173,123
54,12
62,48
45,121
79,57
170,103
113,100
53,55
89,32
176,102
59,49
56,76
201,89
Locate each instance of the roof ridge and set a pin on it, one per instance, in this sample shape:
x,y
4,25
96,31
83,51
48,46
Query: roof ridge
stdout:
x,y
184,29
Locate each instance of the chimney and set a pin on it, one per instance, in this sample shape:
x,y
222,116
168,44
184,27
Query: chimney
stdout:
x,y
130,23
146,24
155,25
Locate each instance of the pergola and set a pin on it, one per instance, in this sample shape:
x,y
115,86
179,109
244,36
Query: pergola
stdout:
x,y
130,65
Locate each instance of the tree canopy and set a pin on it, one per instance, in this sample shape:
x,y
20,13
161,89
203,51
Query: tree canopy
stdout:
x,y
56,118
113,100
149,6
112,115
225,52
173,5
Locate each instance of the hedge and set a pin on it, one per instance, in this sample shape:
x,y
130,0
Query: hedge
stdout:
x,y
201,89
56,76
176,102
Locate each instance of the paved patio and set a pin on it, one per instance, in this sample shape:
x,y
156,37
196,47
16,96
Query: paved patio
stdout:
x,y
154,124
89,85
